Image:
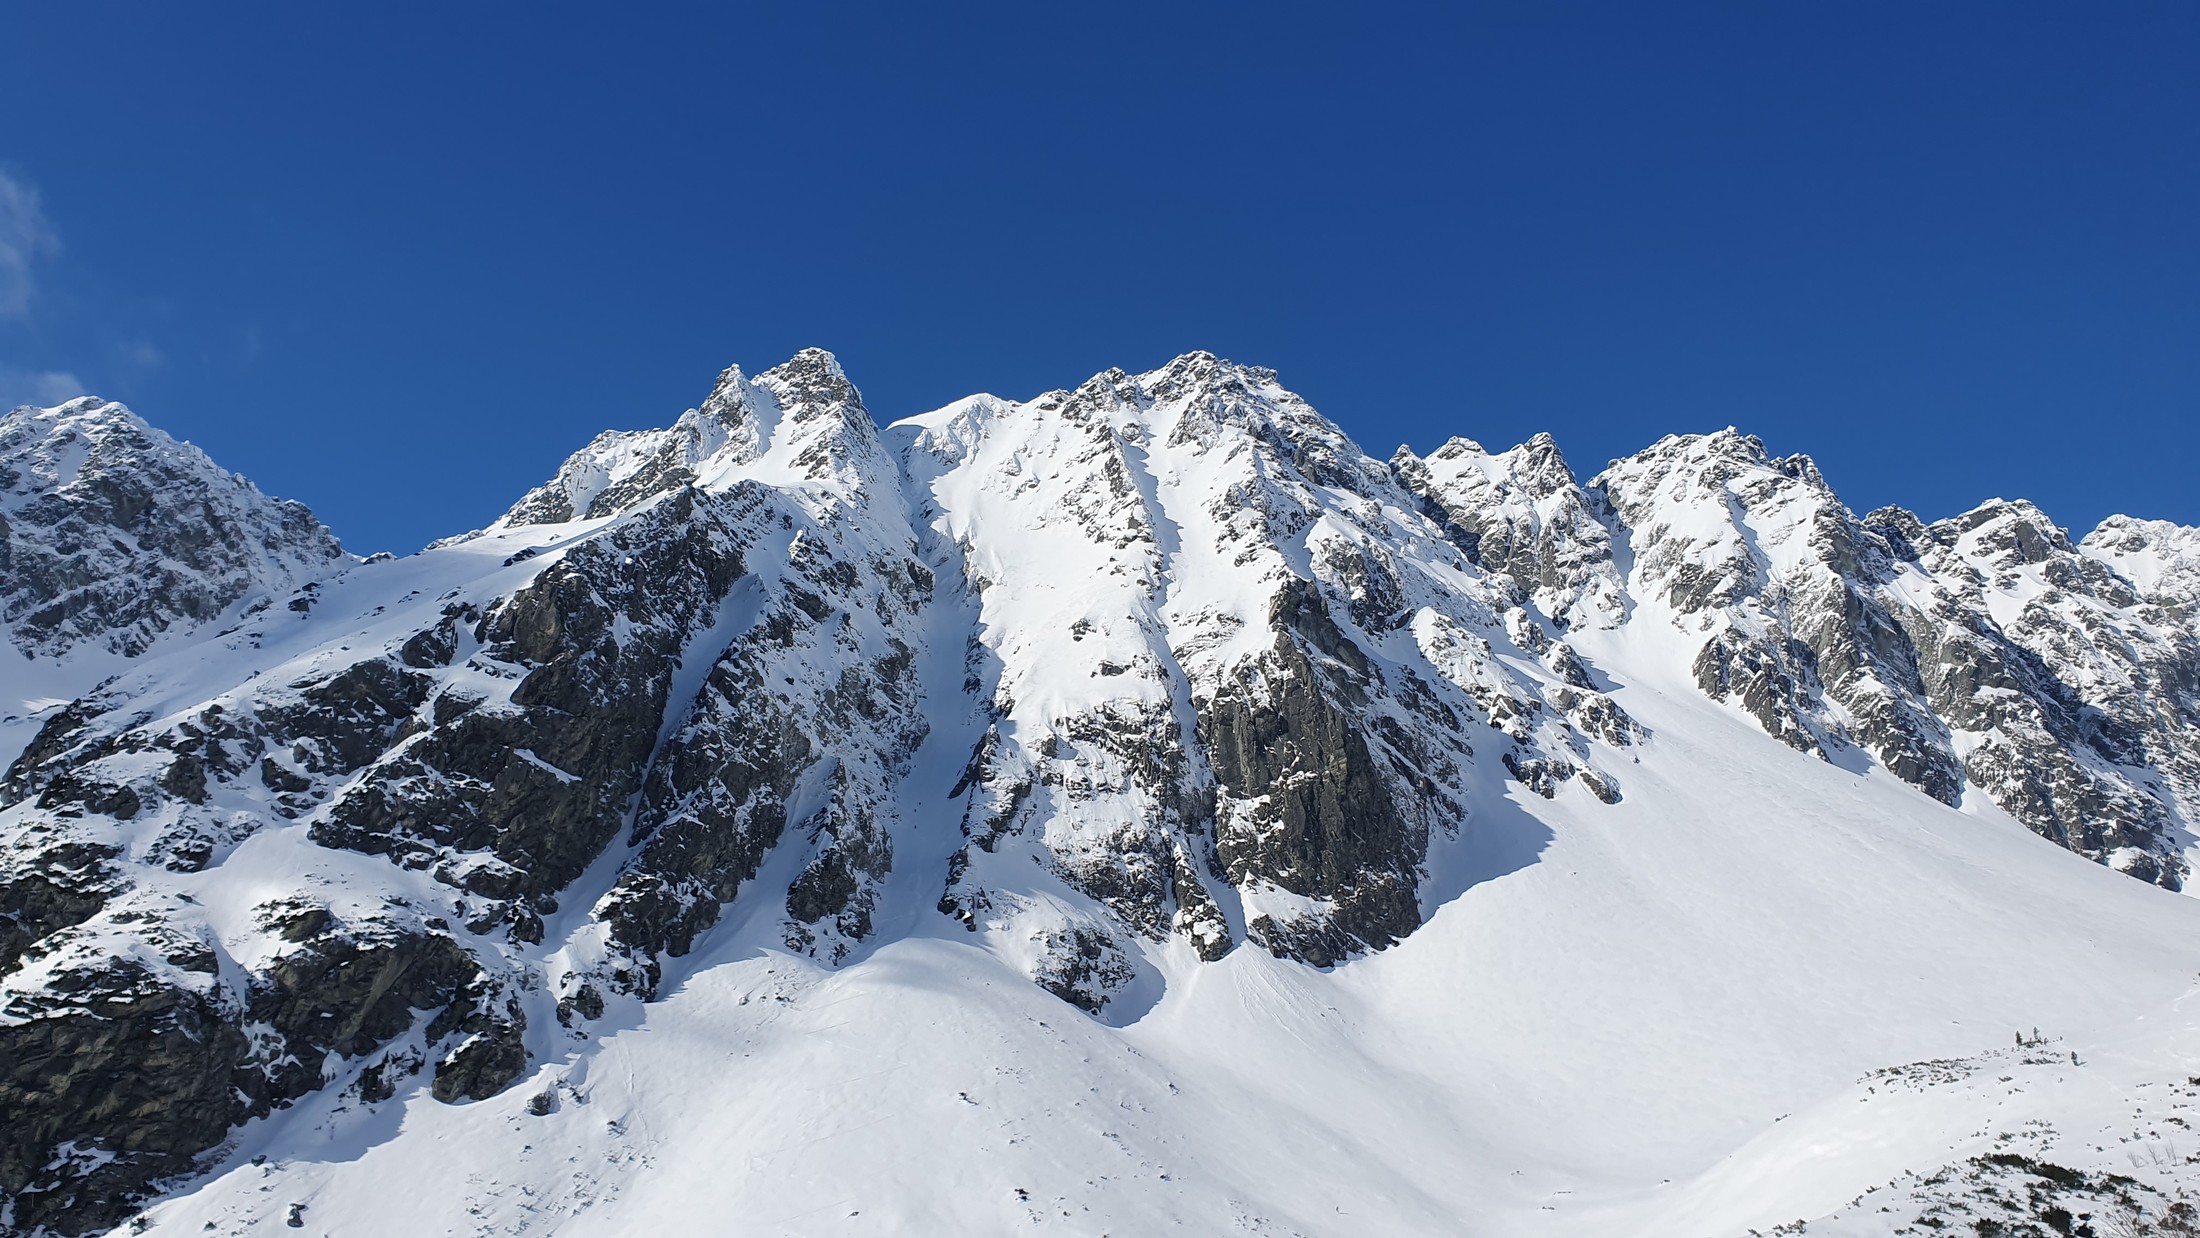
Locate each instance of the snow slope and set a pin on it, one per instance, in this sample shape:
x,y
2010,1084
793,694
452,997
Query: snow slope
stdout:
x,y
1651,1019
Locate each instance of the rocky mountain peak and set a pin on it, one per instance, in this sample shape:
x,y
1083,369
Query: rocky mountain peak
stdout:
x,y
1194,379
1803,469
813,380
50,450
1197,372
1903,532
1540,465
800,418
2005,533
822,433
1204,402
1732,442
112,533
1681,474
1521,514
1455,448
1729,444
2132,533
1725,454
2160,558
728,402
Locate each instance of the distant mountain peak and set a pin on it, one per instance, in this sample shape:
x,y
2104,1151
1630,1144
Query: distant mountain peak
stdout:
x,y
813,376
116,534
804,409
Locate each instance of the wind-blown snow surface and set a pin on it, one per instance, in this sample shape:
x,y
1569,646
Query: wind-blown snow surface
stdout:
x,y
1131,811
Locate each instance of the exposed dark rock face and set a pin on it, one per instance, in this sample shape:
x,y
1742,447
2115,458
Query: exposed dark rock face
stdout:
x,y
119,1071
124,1084
486,1062
512,800
352,992
1310,810
715,804
112,533
61,886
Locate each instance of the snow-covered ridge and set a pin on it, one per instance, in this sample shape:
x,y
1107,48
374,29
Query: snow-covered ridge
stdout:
x,y
1156,696
735,433
1275,675
115,533
2161,559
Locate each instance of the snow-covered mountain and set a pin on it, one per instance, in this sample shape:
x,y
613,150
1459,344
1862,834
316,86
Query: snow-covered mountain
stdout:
x,y
114,538
1132,808
113,534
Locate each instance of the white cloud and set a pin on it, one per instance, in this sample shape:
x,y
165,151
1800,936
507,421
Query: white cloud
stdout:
x,y
41,387
141,355
26,237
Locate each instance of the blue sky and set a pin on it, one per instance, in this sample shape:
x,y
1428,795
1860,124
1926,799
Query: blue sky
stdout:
x,y
397,261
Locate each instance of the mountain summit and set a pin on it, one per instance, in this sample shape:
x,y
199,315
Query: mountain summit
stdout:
x,y
113,533
1129,807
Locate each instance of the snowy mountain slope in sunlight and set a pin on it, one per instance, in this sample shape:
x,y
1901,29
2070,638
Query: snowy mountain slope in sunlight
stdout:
x,y
1648,1019
1278,680
113,537
1129,809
